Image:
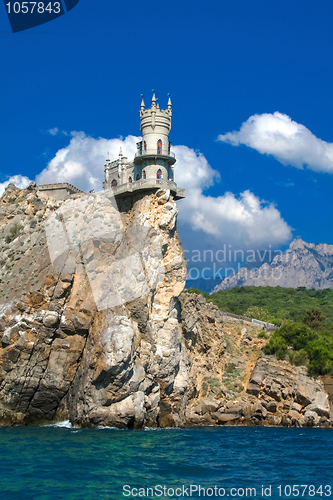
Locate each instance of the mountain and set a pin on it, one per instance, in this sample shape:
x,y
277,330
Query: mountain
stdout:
x,y
302,265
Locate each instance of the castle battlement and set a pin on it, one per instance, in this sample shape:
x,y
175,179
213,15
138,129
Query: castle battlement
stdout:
x,y
57,191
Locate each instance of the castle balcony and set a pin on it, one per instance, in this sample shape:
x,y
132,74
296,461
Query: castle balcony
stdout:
x,y
153,153
148,185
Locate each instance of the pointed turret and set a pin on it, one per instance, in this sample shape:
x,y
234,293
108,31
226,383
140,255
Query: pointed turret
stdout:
x,y
153,101
169,102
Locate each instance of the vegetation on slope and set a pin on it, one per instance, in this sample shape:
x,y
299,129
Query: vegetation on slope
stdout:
x,y
305,335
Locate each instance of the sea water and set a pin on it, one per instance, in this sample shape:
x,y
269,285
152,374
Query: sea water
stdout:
x,y
42,463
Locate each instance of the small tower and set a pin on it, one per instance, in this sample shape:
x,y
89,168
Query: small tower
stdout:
x,y
154,158
153,164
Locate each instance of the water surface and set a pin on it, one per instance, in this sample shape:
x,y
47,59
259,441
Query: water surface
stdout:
x,y
45,463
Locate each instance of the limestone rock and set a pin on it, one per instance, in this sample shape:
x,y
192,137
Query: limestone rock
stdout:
x,y
51,318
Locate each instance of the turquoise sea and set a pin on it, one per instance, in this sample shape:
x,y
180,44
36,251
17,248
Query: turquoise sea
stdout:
x,y
43,463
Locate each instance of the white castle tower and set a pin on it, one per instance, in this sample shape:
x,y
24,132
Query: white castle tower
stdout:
x,y
153,164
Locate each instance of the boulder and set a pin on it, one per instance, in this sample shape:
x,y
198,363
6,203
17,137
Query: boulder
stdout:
x,y
51,318
209,406
310,418
271,406
222,418
321,410
258,411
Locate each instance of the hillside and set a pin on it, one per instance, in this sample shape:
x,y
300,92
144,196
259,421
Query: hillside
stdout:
x,y
302,265
288,303
306,316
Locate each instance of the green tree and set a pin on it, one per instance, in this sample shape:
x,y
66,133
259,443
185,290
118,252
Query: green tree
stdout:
x,y
296,335
320,352
313,318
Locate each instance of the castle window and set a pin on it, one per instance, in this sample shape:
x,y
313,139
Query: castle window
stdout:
x,y
144,146
143,174
159,176
130,180
114,183
159,147
137,177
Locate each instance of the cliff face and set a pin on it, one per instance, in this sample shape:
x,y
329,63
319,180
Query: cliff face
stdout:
x,y
90,312
303,264
94,327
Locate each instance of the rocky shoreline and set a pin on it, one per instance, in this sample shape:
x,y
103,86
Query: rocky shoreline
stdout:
x,y
165,358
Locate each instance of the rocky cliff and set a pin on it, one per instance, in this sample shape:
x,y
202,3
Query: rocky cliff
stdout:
x,y
95,329
239,385
303,264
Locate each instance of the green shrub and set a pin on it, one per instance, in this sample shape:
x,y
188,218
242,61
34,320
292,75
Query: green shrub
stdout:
x,y
277,321
263,335
320,352
296,335
299,358
257,313
198,292
277,346
304,347
214,382
14,232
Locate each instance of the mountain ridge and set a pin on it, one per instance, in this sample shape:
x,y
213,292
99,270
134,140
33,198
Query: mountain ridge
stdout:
x,y
303,264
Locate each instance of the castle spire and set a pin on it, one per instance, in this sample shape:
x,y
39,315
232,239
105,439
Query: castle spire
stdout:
x,y
153,110
153,101
169,102
120,152
142,103
108,158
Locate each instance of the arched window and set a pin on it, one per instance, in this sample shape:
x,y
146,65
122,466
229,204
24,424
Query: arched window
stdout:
x,y
137,178
143,174
159,147
158,176
114,183
130,180
144,146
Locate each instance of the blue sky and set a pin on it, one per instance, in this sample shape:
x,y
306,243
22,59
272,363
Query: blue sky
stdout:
x,y
222,62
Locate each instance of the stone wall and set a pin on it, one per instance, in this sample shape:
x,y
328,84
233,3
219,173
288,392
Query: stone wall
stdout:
x,y
59,191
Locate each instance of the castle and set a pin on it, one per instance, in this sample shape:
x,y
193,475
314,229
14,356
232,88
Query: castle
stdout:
x,y
151,169
153,164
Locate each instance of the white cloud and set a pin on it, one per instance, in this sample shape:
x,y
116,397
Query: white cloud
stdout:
x,y
19,180
242,221
53,131
81,162
288,141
